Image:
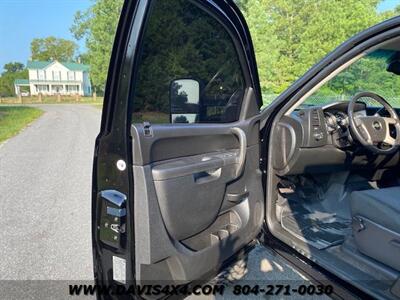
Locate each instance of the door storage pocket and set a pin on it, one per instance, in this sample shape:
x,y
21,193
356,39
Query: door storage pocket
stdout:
x,y
190,191
223,228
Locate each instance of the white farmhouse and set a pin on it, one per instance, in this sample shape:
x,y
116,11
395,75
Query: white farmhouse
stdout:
x,y
54,77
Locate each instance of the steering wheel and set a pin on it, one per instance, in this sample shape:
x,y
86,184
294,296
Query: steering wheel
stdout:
x,y
373,132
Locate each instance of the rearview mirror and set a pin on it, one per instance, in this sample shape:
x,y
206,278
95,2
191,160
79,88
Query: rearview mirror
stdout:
x,y
184,101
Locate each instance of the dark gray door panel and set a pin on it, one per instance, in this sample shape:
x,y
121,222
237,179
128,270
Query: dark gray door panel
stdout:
x,y
204,178
178,140
182,233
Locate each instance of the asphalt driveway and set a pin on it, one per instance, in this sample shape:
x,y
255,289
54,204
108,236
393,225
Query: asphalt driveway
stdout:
x,y
45,182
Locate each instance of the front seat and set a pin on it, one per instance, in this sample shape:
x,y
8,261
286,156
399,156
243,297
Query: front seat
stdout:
x,y
376,224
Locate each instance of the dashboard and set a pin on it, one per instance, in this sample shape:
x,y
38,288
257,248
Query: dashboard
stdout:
x,y
318,139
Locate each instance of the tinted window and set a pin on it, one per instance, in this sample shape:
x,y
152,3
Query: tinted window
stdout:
x,y
189,70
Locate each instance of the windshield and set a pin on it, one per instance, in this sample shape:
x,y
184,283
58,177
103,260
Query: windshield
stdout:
x,y
369,73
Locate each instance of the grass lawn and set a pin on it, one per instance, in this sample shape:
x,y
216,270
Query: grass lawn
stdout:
x,y
15,118
152,117
98,105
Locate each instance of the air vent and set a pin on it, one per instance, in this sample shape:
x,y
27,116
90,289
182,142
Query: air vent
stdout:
x,y
315,121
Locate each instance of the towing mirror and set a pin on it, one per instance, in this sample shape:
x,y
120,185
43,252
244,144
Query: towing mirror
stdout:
x,y
394,67
184,101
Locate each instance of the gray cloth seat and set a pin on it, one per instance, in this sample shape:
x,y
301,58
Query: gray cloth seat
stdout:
x,y
381,206
376,221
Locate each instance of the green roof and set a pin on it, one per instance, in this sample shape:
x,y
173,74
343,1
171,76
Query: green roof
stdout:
x,y
69,65
21,81
37,64
75,66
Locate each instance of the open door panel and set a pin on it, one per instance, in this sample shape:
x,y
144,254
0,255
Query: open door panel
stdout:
x,y
177,186
198,199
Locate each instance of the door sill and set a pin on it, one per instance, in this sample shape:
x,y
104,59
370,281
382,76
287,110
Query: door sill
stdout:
x,y
315,273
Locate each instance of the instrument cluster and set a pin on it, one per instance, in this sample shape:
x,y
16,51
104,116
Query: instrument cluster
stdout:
x,y
336,120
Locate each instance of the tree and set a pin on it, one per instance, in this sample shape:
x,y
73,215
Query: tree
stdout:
x,y
291,36
13,70
369,73
13,67
97,27
182,41
52,48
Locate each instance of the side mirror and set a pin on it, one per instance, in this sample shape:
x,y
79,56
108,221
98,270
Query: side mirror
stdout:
x,y
393,63
184,101
394,67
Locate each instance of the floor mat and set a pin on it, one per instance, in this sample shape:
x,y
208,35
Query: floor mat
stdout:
x,y
321,230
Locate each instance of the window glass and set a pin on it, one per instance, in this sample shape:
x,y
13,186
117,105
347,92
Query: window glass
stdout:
x,y
374,72
56,75
42,88
41,75
189,71
71,75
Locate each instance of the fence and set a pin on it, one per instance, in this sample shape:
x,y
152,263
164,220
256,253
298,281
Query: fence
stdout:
x,y
49,99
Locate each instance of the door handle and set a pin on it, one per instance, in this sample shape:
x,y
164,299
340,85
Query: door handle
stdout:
x,y
237,198
395,243
241,158
207,176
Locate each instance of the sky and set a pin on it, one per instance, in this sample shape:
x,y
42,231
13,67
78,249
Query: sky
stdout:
x,y
386,4
23,20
